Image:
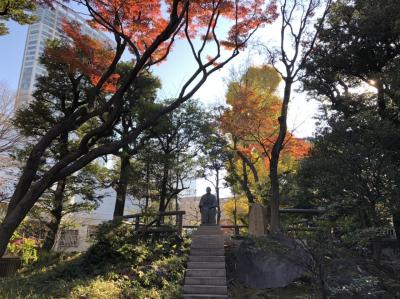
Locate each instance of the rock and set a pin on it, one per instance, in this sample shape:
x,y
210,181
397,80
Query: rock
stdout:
x,y
270,262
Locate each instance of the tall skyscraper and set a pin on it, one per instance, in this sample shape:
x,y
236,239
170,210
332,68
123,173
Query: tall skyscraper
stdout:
x,y
49,26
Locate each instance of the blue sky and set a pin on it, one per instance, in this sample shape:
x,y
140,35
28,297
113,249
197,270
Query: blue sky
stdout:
x,y
12,50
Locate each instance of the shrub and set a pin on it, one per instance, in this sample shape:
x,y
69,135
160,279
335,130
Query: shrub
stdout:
x,y
120,265
26,248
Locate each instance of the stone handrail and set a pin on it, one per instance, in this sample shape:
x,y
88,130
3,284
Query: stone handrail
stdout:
x,y
236,227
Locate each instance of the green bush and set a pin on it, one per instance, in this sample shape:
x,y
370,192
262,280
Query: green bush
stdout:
x,y
119,265
26,248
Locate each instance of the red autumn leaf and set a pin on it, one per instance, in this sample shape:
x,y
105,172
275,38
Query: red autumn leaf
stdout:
x,y
85,55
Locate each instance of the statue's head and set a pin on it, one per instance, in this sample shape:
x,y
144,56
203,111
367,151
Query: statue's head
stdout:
x,y
208,190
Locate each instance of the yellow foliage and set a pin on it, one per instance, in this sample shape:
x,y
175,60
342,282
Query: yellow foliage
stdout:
x,y
242,210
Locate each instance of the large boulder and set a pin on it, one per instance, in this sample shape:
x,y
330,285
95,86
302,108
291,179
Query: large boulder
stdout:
x,y
270,262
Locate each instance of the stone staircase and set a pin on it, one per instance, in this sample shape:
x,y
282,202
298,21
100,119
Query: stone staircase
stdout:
x,y
206,275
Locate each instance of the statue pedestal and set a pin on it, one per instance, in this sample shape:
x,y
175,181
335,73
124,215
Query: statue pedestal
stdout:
x,y
257,220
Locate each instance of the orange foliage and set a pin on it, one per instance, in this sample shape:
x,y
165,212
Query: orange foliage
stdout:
x,y
252,121
142,21
85,55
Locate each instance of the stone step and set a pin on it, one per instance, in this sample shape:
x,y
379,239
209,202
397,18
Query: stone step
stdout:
x,y
206,265
205,276
205,273
205,289
219,241
206,258
208,238
217,281
209,230
210,245
206,251
202,296
207,233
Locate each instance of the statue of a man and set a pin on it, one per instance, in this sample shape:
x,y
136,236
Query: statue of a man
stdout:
x,y
208,204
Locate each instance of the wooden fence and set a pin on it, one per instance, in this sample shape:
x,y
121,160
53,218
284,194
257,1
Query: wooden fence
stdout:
x,y
161,222
9,265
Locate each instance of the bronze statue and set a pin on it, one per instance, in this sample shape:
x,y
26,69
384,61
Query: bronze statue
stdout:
x,y
208,205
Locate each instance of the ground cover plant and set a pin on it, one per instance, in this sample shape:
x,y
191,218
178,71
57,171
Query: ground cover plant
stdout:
x,y
119,265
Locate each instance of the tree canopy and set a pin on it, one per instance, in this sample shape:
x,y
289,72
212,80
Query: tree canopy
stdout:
x,y
252,123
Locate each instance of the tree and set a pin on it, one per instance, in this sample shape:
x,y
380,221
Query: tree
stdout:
x,y
20,11
359,46
252,122
8,136
165,160
143,91
237,210
297,41
55,97
149,33
8,139
215,155
353,51
364,189
178,138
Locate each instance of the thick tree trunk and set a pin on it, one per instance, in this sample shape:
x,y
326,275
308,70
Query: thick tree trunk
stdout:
x,y
56,214
275,154
245,183
122,185
250,164
365,221
16,215
274,205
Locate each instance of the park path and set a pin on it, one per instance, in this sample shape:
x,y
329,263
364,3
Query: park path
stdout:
x,y
205,276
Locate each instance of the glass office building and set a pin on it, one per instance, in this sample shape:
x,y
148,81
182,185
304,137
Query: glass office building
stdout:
x,y
49,26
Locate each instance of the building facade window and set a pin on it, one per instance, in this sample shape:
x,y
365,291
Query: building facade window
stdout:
x,y
69,238
91,232
25,85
